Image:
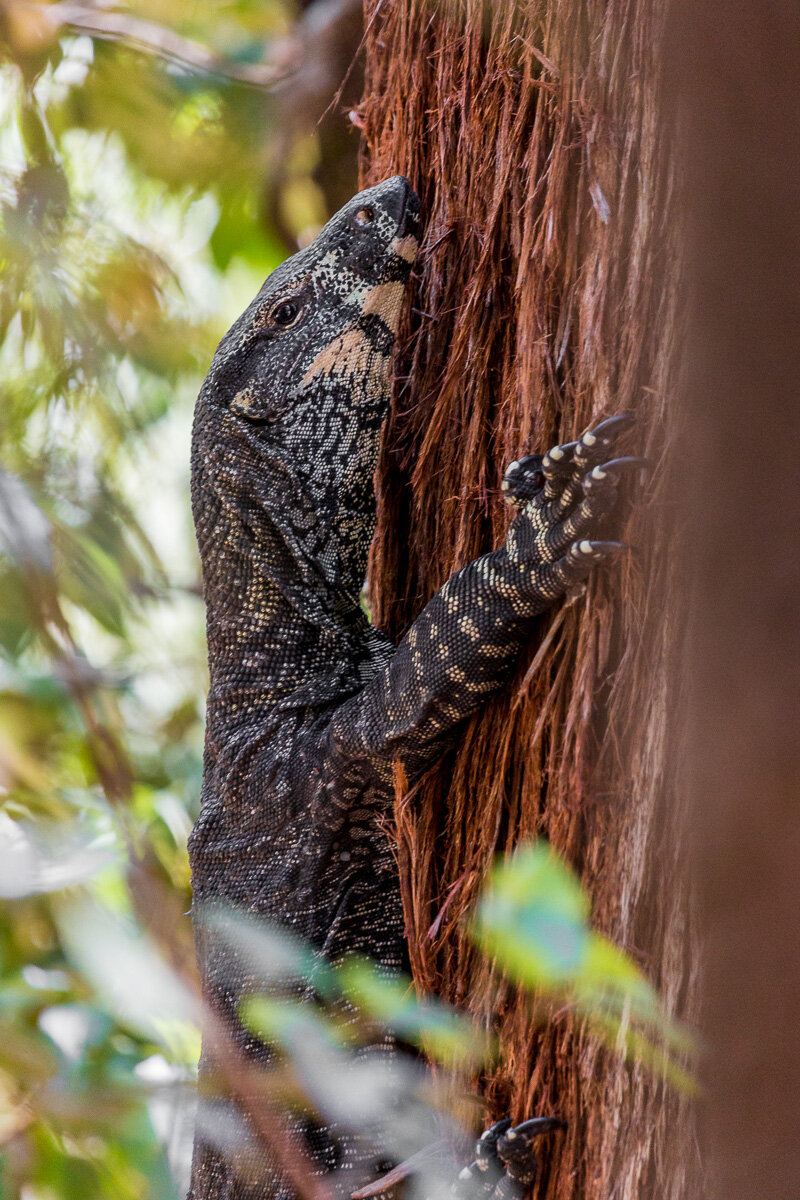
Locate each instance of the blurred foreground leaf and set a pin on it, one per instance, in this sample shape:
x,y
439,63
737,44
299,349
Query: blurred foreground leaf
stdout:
x,y
38,859
112,953
390,1001
533,920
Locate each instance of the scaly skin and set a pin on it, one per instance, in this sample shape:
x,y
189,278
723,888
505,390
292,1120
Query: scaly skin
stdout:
x,y
309,706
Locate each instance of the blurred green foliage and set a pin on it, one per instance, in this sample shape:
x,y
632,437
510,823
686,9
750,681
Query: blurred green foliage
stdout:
x,y
534,921
129,240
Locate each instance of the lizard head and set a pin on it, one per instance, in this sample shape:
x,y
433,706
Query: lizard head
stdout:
x,y
299,387
329,312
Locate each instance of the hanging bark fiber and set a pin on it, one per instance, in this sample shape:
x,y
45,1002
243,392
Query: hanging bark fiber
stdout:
x,y
547,299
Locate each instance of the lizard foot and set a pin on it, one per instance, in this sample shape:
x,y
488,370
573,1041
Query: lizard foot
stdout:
x,y
505,1160
562,498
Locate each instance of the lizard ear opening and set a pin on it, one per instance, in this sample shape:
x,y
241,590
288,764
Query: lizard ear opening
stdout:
x,y
254,407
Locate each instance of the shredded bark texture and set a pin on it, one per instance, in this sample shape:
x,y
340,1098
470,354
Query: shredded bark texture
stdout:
x,y
547,298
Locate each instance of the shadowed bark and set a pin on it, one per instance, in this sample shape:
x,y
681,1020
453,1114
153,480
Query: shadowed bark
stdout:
x,y
547,299
737,73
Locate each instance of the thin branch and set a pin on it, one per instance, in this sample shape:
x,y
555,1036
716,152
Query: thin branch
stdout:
x,y
163,43
247,1082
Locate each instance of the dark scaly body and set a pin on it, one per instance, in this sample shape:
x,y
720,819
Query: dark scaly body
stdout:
x,y
309,706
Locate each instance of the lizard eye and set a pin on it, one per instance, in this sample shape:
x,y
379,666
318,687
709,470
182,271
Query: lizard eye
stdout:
x,y
365,216
286,314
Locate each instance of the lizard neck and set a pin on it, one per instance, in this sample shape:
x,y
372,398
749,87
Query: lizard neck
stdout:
x,y
283,538
280,635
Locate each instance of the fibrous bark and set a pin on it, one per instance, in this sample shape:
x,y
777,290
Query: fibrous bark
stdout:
x,y
548,297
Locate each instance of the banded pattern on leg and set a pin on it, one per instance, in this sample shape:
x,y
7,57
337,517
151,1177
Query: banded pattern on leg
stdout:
x,y
463,645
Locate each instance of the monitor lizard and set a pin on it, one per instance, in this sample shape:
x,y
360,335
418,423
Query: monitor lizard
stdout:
x,y
310,707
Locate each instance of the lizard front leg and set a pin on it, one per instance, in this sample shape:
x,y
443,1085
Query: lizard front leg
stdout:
x,y
463,646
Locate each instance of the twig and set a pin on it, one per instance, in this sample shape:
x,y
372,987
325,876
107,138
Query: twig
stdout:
x,y
246,1083
163,43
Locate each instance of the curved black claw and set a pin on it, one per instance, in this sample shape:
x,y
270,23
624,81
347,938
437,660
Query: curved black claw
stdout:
x,y
597,550
576,564
558,460
611,427
515,1147
486,1145
562,465
593,444
609,473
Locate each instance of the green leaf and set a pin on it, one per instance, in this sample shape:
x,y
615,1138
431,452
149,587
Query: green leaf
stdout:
x,y
110,952
428,1023
607,968
275,956
289,1023
532,918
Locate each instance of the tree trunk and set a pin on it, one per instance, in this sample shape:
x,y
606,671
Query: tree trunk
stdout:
x,y
737,73
547,299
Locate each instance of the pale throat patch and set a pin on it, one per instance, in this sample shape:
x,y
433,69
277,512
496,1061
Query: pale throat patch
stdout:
x,y
351,354
406,247
385,301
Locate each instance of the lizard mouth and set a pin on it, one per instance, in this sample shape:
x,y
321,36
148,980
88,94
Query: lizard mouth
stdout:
x,y
399,202
408,222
